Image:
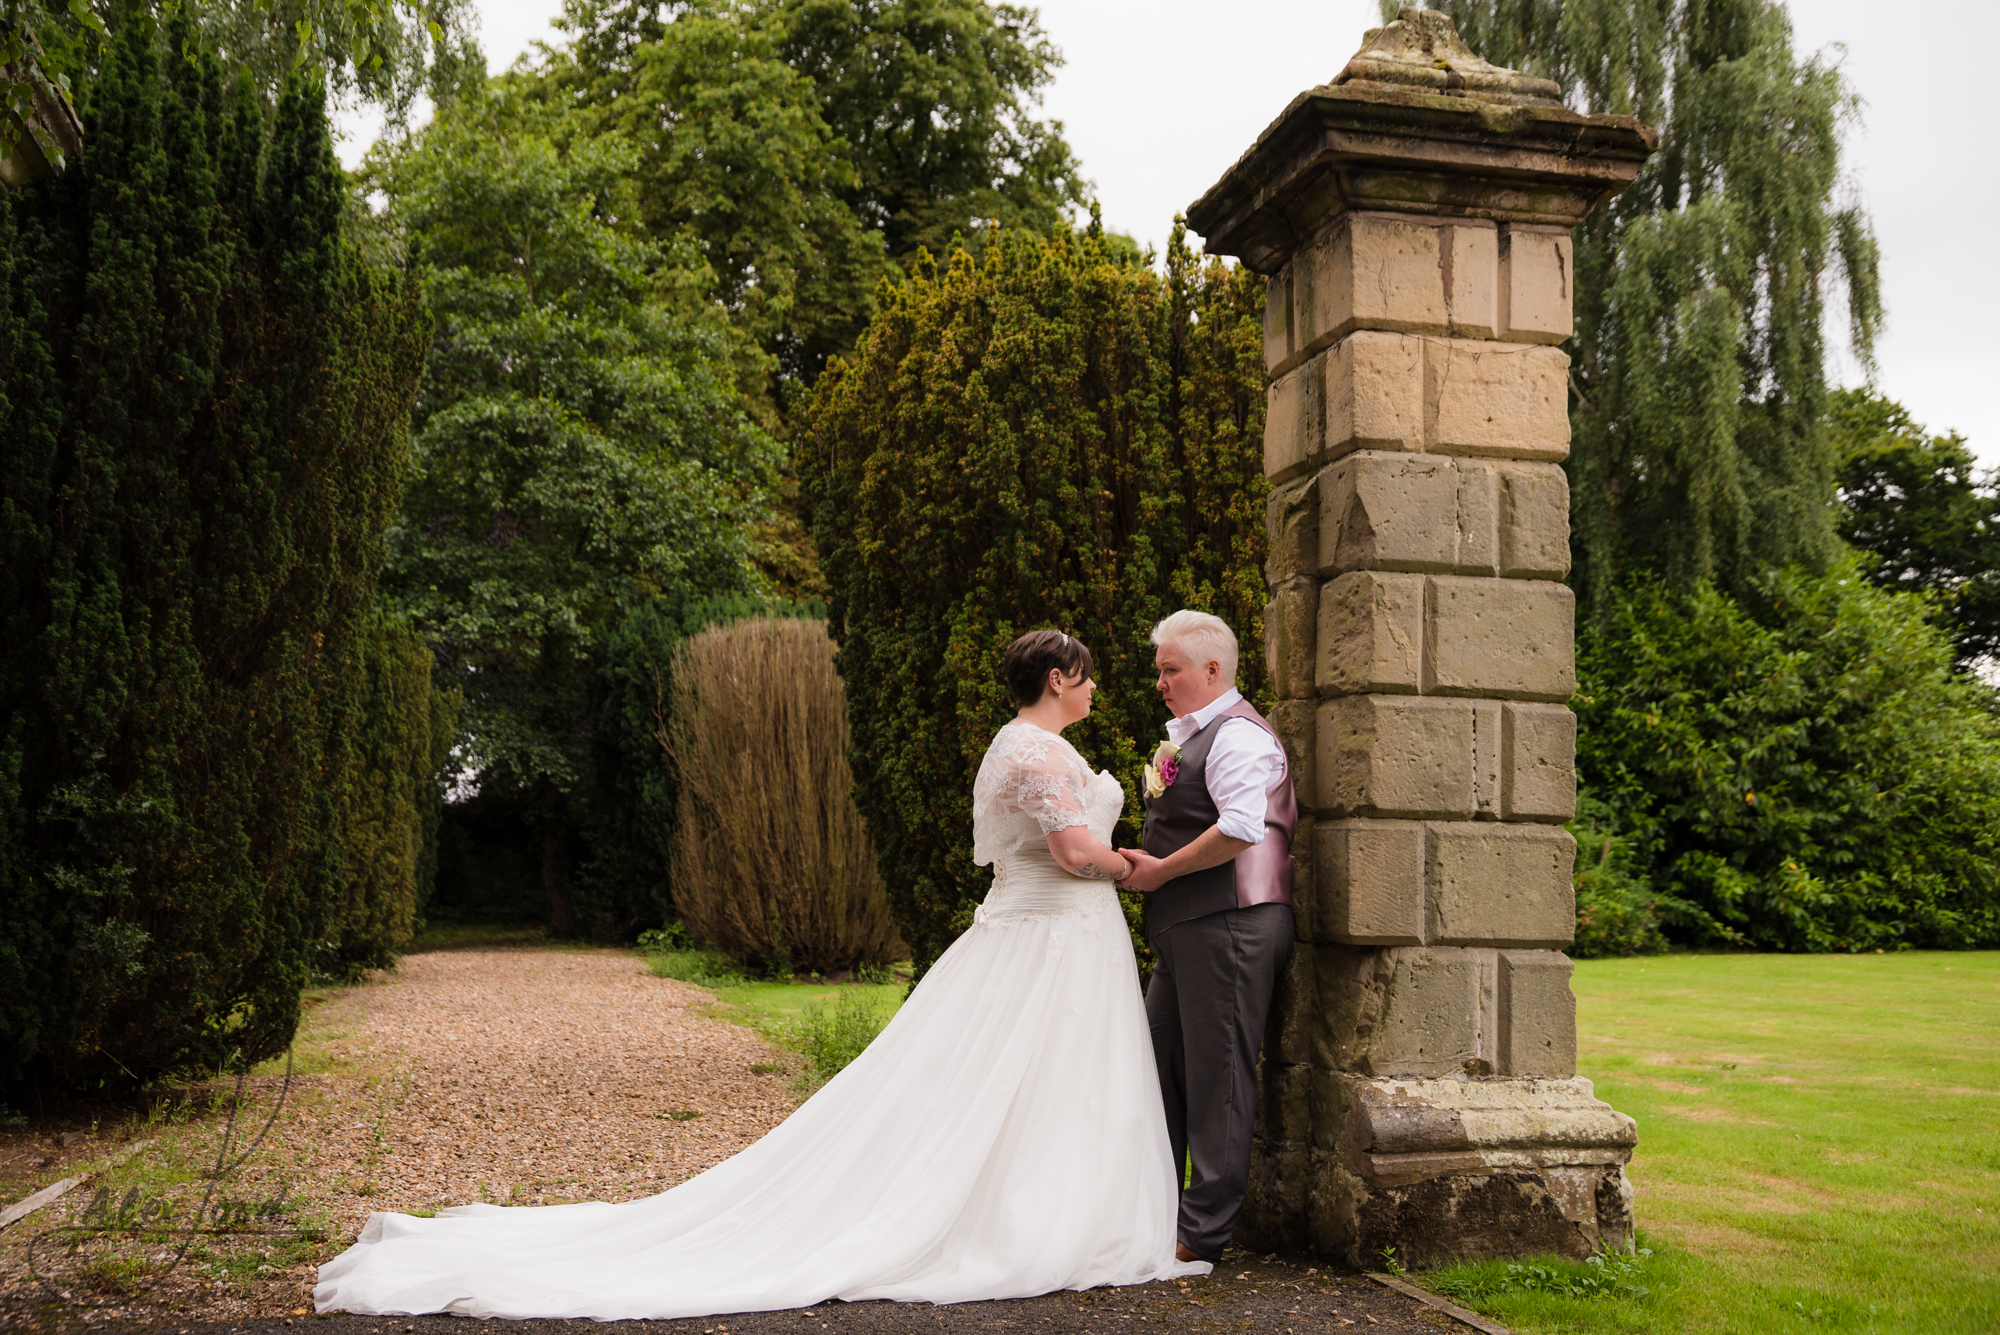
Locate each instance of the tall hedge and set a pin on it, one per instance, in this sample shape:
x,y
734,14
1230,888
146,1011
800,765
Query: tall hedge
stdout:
x,y
202,399
1043,436
390,799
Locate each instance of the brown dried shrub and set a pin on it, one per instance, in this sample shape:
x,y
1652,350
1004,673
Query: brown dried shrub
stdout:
x,y
771,861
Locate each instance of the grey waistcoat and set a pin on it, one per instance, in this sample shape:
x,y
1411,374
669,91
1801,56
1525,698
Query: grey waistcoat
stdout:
x,y
1261,874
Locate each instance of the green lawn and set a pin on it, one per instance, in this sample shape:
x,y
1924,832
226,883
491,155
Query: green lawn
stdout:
x,y
769,1007
826,1024
1819,1142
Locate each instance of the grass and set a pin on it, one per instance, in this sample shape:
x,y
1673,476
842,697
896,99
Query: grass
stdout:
x,y
447,935
128,1229
826,1024
1819,1147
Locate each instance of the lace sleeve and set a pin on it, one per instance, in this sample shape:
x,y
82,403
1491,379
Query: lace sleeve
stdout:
x,y
1031,784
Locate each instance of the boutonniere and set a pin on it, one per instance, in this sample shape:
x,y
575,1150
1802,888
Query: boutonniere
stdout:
x,y
1164,769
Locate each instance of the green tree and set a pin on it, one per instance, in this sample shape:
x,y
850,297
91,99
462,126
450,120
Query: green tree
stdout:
x,y
1923,507
1700,448
384,51
1041,437
581,447
1797,769
734,157
798,142
203,402
934,101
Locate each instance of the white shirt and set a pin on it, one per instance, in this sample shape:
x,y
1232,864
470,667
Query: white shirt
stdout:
x,y
1244,762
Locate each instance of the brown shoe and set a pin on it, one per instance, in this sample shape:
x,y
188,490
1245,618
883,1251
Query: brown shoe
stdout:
x,y
1181,1253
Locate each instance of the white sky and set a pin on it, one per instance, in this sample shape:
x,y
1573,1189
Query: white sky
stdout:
x,y
1159,98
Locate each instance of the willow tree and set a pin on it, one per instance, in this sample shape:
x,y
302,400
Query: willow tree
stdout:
x,y
1698,392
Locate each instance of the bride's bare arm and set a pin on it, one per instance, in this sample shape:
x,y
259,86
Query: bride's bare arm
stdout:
x,y
1080,853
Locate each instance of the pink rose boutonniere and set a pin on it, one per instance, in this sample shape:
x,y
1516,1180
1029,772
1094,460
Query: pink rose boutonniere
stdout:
x,y
1164,769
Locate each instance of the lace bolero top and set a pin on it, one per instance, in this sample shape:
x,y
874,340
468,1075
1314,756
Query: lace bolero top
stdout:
x,y
1031,784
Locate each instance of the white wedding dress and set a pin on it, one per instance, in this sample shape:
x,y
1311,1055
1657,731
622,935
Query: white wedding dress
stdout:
x,y
1002,1138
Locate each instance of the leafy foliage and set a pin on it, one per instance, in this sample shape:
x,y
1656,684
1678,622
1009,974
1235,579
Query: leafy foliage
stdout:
x,y
733,157
829,1035
1604,1275
1800,770
203,392
386,51
933,100
1921,505
801,144
1618,912
582,450
1699,443
1042,437
672,953
390,800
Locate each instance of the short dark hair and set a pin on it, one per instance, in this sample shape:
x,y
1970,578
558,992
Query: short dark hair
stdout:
x,y
1029,660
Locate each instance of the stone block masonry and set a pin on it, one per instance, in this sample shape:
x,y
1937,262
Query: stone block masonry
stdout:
x,y
1419,1081
1402,392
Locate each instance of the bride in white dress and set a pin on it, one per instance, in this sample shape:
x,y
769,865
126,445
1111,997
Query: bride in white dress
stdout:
x,y
1002,1138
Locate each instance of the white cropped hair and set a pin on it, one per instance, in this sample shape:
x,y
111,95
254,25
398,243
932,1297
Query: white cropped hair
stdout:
x,y
1202,637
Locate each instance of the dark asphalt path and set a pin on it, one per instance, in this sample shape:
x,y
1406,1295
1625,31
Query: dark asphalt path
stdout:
x,y
1246,1294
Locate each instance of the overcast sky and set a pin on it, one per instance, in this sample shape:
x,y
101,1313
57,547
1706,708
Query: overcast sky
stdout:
x,y
1159,98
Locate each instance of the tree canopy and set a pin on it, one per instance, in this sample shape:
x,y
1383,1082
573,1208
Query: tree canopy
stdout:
x,y
934,100
1797,768
581,447
383,51
732,155
1922,507
1700,444
802,145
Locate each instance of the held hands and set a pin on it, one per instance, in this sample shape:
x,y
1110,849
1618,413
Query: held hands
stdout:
x,y
1146,871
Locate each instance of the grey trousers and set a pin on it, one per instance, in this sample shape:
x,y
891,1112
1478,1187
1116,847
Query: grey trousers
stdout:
x,y
1211,991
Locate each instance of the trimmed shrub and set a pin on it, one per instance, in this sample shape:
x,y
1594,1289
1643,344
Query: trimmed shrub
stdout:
x,y
771,861
1798,770
203,398
1046,436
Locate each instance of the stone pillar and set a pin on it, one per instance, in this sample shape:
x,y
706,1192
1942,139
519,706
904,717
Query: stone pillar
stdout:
x,y
1419,1085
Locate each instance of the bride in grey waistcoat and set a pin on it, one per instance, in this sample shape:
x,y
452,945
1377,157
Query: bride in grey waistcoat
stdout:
x,y
1217,872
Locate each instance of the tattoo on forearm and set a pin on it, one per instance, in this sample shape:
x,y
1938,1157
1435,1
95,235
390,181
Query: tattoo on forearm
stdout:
x,y
1090,871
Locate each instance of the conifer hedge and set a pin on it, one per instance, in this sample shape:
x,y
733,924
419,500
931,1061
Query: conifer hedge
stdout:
x,y
1042,436
390,799
203,395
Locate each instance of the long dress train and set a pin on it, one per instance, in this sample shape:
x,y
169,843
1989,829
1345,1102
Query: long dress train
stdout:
x,y
1002,1138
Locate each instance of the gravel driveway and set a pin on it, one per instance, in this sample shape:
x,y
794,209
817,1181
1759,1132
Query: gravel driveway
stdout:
x,y
532,1076
525,1076
535,1075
